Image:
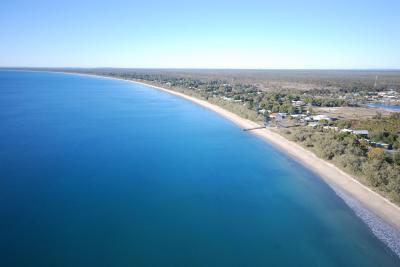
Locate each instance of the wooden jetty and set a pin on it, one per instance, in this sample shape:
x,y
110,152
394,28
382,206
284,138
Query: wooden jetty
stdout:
x,y
254,128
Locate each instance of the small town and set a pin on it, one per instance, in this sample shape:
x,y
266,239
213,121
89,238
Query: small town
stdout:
x,y
200,133
352,121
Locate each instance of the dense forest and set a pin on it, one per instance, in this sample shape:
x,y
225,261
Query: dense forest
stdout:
x,y
309,80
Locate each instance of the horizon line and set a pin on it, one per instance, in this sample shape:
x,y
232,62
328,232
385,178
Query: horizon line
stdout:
x,y
196,68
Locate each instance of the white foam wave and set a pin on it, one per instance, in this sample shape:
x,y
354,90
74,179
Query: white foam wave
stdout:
x,y
385,232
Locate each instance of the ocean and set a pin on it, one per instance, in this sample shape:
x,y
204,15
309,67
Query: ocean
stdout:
x,y
101,172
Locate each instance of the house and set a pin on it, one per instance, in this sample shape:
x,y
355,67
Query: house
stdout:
x,y
297,103
277,116
346,131
273,115
226,98
295,116
383,145
361,132
283,114
321,117
308,119
331,128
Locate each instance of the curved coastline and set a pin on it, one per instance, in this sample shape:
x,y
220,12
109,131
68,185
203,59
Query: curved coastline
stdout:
x,y
381,215
329,172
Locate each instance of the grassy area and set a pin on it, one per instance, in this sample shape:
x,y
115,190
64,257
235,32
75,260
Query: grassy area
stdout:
x,y
351,113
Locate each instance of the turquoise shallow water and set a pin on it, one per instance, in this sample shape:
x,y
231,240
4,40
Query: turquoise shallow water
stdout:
x,y
97,172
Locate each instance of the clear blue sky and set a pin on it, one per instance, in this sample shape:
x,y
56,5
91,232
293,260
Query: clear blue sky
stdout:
x,y
201,34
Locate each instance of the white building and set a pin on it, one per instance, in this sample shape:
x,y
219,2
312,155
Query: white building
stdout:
x,y
278,116
321,117
356,132
346,131
361,132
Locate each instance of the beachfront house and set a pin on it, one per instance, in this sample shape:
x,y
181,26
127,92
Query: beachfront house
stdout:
x,y
278,116
226,98
308,119
360,133
298,116
384,145
297,103
346,131
283,114
295,116
363,133
321,117
331,128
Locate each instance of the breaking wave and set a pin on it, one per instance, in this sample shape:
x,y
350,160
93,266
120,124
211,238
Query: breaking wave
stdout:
x,y
385,232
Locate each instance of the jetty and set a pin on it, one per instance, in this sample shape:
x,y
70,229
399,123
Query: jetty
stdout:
x,y
254,128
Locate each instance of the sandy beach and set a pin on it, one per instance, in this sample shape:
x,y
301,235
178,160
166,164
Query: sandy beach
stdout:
x,y
332,175
376,203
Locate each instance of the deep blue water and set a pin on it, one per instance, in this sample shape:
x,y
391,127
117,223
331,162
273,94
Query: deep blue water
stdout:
x,y
97,172
395,108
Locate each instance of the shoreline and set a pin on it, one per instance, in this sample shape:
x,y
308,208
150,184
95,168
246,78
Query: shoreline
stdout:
x,y
327,171
332,175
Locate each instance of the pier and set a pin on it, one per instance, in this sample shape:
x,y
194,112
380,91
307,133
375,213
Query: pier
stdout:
x,y
254,128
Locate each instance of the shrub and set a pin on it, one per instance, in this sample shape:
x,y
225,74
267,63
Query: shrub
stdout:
x,y
376,153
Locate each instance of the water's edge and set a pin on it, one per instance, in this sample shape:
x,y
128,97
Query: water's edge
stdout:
x,y
383,230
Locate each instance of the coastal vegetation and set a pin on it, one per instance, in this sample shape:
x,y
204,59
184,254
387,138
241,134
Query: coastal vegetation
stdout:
x,y
372,165
373,158
381,128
